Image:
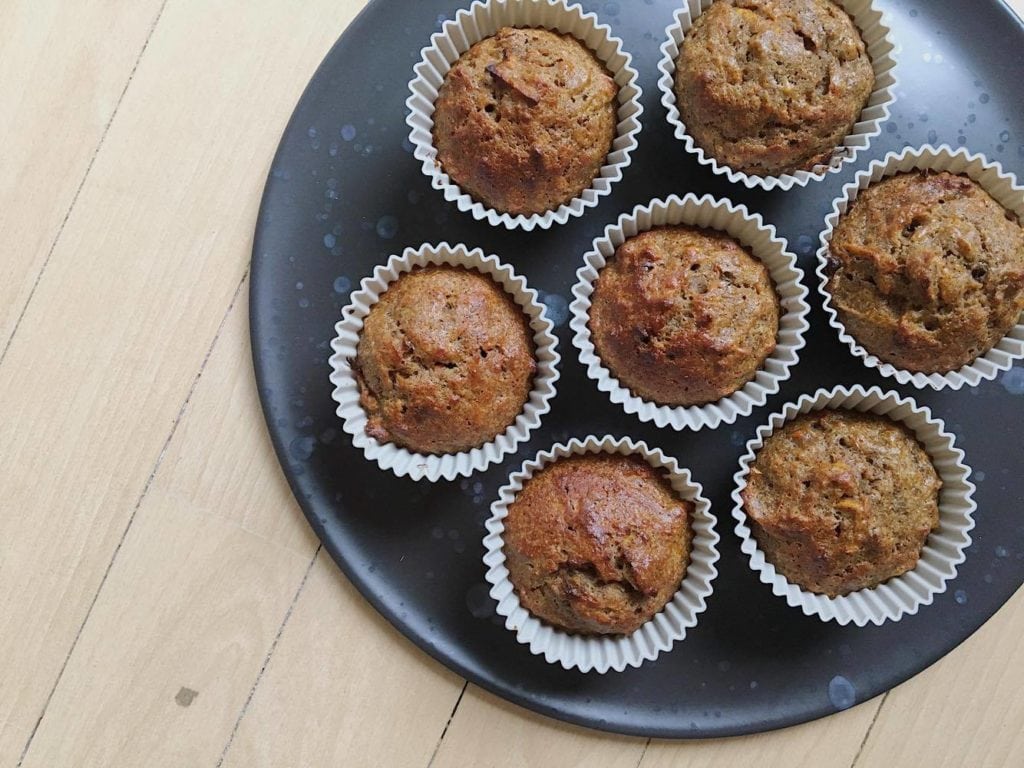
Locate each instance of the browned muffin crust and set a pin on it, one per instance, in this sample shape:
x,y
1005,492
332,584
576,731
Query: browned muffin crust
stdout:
x,y
840,501
772,86
597,544
927,271
525,119
683,316
445,361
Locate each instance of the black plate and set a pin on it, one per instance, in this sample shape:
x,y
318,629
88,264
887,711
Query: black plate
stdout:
x,y
345,193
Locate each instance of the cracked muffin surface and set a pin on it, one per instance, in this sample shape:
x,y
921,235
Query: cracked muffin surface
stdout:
x,y
840,501
525,119
683,315
926,271
772,86
445,361
597,544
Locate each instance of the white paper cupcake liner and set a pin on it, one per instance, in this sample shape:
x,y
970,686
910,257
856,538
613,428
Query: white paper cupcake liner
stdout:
x,y
944,549
483,19
882,50
750,230
433,467
1002,186
602,653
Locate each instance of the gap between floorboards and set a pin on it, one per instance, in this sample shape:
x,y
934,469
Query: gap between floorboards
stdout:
x,y
266,659
78,190
871,725
131,518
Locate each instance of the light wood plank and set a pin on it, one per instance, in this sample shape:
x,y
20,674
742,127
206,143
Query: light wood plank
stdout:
x,y
965,710
344,688
197,594
829,743
136,288
489,732
63,67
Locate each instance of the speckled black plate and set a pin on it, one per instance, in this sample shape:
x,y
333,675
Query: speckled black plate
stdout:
x,y
345,192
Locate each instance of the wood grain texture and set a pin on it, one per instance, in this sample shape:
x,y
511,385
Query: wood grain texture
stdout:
x,y
829,743
488,732
63,68
196,596
344,688
124,315
210,636
967,709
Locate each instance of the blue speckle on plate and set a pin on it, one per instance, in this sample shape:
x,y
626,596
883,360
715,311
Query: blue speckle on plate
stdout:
x,y
348,132
933,137
387,227
841,692
960,596
304,302
804,244
342,284
1013,381
301,448
1002,552
984,98
330,240
1004,136
557,307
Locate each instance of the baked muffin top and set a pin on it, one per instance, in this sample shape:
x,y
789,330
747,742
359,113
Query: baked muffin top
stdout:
x,y
445,361
926,271
524,120
683,316
597,544
840,501
772,86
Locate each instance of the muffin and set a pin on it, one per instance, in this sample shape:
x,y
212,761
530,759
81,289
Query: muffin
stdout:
x,y
445,361
683,316
840,501
525,119
597,544
926,271
769,87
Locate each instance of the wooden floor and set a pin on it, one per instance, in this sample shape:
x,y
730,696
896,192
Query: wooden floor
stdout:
x,y
164,603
